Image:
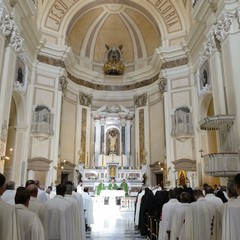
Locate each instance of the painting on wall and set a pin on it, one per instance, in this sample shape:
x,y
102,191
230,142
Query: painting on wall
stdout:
x,y
181,178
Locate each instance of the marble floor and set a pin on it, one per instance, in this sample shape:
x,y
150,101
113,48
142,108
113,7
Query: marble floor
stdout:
x,y
112,222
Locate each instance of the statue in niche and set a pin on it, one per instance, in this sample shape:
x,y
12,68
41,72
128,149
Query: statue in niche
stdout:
x,y
112,136
20,75
204,78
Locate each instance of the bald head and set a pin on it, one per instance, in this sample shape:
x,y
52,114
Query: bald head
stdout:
x,y
33,190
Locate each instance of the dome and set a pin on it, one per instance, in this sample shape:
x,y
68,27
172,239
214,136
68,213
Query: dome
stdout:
x,y
112,24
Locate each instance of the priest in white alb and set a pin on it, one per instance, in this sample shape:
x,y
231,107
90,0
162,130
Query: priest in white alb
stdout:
x,y
60,219
209,196
9,194
231,216
75,211
200,219
8,223
88,206
35,205
231,195
28,222
79,198
179,216
168,211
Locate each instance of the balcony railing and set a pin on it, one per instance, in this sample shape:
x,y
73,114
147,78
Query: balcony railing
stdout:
x,y
222,164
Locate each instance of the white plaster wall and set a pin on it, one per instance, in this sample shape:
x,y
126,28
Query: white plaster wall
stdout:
x,y
156,116
68,130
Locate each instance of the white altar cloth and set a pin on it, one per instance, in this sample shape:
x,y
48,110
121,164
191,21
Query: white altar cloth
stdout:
x,y
112,193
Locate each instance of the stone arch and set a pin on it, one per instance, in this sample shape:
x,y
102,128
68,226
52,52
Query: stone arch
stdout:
x,y
20,102
152,9
16,123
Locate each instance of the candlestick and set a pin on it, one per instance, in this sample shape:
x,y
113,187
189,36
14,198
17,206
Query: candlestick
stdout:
x,y
102,159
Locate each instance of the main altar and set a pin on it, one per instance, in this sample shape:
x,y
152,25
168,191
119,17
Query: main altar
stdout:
x,y
91,177
113,154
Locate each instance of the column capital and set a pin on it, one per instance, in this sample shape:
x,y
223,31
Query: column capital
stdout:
x,y
162,85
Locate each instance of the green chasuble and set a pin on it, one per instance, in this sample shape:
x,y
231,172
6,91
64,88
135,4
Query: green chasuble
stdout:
x,y
100,187
112,186
124,186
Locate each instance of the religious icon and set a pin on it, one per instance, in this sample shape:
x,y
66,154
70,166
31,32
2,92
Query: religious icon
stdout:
x,y
20,71
204,75
21,74
204,78
181,178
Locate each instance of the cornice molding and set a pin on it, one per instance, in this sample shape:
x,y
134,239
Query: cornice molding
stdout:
x,y
175,63
115,87
101,87
51,61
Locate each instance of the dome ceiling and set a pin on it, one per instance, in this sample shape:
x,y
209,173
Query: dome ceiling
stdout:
x,y
139,27
114,25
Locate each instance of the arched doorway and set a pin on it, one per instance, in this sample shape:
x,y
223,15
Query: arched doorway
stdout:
x,y
16,145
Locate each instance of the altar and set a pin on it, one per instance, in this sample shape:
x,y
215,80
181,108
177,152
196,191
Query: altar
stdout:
x,y
112,193
112,197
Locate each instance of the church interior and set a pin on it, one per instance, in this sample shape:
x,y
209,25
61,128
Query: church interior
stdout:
x,y
117,95
145,91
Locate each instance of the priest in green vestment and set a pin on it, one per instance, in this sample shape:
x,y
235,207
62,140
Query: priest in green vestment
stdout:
x,y
100,187
124,187
112,185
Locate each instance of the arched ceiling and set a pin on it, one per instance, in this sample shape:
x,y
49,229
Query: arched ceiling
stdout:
x,y
139,26
113,24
